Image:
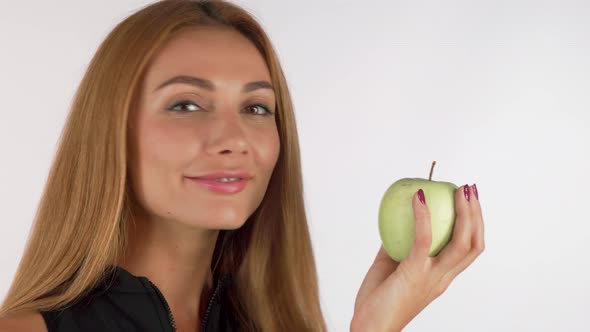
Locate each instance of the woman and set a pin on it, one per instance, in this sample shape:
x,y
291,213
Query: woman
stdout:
x,y
175,200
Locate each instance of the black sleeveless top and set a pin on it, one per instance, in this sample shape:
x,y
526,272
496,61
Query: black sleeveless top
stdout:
x,y
124,302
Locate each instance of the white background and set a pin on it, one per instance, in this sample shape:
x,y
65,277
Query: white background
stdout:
x,y
498,92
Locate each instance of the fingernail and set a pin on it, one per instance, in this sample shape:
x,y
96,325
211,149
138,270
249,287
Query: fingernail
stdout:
x,y
421,196
475,192
466,192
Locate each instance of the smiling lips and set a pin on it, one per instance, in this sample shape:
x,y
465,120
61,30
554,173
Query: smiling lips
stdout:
x,y
223,182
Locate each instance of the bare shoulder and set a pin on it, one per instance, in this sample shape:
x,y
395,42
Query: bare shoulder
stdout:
x,y
29,321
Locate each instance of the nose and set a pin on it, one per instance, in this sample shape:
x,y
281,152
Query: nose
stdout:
x,y
227,136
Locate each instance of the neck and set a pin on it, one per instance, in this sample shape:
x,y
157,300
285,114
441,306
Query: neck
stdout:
x,y
176,257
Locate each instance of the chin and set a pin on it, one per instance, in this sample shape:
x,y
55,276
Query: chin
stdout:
x,y
228,219
231,225
212,225
230,222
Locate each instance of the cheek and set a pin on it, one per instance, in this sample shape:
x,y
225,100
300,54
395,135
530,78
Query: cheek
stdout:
x,y
164,145
268,148
162,149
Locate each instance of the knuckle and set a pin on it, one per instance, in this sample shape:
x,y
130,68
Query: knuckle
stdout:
x,y
442,287
423,240
474,215
423,215
477,210
441,290
480,248
463,247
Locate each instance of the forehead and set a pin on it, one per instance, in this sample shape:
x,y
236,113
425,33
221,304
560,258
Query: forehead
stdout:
x,y
209,52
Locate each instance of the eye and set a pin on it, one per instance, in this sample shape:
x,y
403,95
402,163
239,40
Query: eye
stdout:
x,y
260,109
183,106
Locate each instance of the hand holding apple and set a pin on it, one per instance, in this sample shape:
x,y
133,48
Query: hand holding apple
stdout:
x,y
396,217
393,293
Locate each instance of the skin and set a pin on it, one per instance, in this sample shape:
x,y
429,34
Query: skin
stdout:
x,y
176,222
392,293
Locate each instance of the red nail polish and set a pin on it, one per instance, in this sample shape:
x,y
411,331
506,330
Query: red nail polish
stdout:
x,y
466,192
421,196
475,191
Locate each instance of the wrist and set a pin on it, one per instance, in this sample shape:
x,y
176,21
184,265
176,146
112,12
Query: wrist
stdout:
x,y
361,323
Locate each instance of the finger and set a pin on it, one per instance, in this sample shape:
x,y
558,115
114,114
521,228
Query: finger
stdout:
x,y
383,256
460,244
450,275
422,228
384,263
478,240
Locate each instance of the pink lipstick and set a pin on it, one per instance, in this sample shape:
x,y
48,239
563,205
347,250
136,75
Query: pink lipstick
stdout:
x,y
223,182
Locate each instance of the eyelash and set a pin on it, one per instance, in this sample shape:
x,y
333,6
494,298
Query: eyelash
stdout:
x,y
187,102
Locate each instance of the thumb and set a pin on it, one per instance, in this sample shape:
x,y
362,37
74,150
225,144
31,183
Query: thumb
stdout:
x,y
422,228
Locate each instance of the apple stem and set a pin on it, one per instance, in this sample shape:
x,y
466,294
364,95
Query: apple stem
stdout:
x,y
431,170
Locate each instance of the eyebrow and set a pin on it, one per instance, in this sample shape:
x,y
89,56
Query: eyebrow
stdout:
x,y
208,85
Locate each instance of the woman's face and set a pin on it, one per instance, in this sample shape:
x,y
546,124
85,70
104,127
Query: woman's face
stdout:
x,y
206,112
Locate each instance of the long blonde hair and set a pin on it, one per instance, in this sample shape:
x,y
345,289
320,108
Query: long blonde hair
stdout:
x,y
79,230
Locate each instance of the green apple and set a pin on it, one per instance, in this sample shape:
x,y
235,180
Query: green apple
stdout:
x,y
396,215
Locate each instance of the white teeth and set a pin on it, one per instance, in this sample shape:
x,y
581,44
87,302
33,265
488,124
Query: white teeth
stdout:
x,y
227,179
